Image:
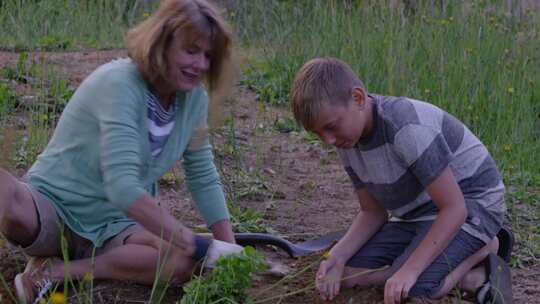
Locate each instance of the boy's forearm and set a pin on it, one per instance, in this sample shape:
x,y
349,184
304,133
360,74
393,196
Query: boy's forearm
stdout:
x,y
363,227
439,235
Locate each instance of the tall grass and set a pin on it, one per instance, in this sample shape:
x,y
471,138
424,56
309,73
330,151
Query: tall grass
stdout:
x,y
470,58
68,24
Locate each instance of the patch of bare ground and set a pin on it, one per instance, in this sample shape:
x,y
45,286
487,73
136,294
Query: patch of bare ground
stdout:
x,y
304,193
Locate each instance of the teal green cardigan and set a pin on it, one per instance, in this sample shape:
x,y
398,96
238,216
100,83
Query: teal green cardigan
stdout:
x,y
98,161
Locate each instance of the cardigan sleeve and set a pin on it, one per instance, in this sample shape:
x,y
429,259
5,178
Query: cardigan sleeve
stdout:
x,y
202,178
118,113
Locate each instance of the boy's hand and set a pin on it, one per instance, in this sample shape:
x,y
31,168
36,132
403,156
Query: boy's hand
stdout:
x,y
219,248
397,287
328,279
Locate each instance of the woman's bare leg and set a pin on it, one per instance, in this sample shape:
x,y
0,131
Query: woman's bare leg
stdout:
x,y
138,260
18,215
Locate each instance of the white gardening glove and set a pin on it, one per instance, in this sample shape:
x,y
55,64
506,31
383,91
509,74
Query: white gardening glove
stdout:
x,y
219,248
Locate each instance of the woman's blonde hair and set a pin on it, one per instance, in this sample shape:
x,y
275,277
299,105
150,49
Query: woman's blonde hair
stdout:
x,y
319,81
147,43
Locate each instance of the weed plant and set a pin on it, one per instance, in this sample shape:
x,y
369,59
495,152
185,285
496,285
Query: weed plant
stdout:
x,y
227,282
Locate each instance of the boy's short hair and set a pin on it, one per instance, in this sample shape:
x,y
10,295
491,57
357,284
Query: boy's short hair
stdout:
x,y
319,81
147,43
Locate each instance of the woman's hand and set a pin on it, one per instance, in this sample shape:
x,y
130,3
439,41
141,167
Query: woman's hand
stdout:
x,y
218,249
328,278
397,287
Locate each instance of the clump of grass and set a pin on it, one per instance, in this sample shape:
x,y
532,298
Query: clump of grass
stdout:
x,y
227,282
8,100
246,219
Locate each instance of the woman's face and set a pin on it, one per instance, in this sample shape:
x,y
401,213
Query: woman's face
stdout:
x,y
187,62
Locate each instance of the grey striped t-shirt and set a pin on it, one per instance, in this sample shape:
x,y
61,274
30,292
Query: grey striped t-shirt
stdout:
x,y
411,144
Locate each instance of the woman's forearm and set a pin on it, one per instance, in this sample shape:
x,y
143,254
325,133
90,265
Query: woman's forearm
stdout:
x,y
222,231
161,223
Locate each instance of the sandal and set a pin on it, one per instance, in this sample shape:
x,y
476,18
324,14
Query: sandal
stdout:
x,y
498,287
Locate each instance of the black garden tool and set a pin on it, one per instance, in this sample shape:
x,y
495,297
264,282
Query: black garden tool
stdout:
x,y
294,250
506,242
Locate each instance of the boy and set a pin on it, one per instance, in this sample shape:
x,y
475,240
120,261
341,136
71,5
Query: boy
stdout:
x,y
418,164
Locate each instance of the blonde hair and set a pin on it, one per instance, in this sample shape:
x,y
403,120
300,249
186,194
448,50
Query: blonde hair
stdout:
x,y
320,81
147,43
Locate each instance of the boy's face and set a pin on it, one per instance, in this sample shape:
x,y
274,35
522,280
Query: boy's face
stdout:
x,y
342,125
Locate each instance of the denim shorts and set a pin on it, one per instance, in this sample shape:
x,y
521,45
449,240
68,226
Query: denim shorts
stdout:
x,y
52,233
396,241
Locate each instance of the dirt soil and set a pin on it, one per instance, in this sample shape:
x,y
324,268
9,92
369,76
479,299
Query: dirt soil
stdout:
x,y
300,188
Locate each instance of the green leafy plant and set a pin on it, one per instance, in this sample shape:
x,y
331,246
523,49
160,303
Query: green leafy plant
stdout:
x,y
53,43
227,282
246,219
7,100
286,125
21,71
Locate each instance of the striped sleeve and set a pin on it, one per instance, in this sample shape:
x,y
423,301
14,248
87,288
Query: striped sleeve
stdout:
x,y
424,150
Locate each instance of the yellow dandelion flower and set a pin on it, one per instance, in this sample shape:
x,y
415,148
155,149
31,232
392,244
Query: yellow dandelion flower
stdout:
x,y
42,301
146,14
326,255
58,298
507,147
511,90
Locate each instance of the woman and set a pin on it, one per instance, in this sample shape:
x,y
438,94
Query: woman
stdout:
x,y
94,186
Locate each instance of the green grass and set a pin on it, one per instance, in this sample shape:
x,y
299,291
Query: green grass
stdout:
x,y
46,93
482,66
68,24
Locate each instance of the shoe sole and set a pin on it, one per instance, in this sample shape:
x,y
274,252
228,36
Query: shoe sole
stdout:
x,y
506,243
500,278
